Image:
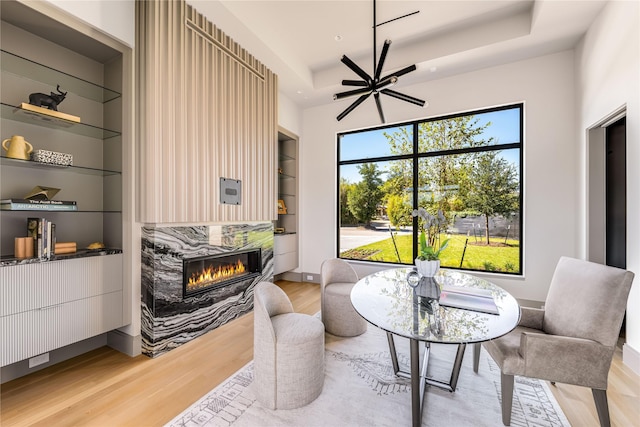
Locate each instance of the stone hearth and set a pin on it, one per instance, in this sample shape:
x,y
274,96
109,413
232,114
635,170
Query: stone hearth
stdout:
x,y
168,319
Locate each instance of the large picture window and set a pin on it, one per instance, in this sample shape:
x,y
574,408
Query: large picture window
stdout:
x,y
465,168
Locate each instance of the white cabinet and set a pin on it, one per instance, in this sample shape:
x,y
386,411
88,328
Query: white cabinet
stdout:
x,y
48,305
285,253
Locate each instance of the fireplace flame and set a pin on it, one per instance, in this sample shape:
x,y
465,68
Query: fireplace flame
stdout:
x,y
215,274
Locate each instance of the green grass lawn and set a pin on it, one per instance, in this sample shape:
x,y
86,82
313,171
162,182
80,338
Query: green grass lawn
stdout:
x,y
501,257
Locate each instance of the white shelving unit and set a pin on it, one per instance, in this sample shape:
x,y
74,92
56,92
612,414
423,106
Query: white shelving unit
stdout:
x,y
47,304
285,245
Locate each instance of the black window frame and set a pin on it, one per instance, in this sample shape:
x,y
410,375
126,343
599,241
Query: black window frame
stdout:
x,y
415,156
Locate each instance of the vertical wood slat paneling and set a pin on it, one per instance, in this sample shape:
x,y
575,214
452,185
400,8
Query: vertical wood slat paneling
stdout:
x,y
209,110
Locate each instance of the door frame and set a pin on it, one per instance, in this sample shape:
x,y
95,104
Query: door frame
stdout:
x,y
596,186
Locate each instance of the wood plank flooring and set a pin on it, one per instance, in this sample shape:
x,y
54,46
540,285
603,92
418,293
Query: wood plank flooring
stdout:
x,y
107,388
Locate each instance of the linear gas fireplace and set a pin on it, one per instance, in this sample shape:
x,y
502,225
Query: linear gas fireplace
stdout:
x,y
205,273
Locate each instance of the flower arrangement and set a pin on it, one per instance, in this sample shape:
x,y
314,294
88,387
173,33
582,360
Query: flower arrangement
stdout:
x,y
430,235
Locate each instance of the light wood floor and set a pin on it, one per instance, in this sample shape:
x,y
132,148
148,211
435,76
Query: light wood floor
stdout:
x,y
107,388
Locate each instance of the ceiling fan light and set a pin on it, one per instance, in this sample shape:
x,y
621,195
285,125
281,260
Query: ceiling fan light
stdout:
x,y
386,82
383,56
354,83
375,84
349,93
353,106
400,73
355,68
404,97
379,106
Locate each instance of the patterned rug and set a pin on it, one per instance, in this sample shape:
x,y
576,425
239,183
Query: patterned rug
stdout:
x,y
361,389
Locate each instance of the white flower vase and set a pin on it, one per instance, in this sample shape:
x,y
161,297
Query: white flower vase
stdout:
x,y
427,268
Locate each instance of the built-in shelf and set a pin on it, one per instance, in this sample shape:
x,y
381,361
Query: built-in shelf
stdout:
x,y
5,161
12,112
47,211
285,176
31,70
284,157
63,301
286,243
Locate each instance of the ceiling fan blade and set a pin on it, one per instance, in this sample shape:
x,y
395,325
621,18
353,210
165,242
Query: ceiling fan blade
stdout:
x,y
386,82
379,105
405,70
352,107
355,68
349,93
403,97
383,56
354,83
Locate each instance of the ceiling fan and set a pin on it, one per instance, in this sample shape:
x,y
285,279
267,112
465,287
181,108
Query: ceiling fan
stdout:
x,y
375,84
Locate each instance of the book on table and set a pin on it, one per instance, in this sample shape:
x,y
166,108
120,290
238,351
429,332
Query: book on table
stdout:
x,y
468,299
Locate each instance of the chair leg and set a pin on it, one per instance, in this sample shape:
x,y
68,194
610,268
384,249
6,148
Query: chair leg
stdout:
x,y
476,356
506,388
600,398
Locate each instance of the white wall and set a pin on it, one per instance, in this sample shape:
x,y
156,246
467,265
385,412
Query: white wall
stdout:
x,y
113,17
608,75
289,115
551,209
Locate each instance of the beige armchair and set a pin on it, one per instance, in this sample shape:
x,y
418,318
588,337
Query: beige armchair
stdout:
x,y
571,340
338,315
288,351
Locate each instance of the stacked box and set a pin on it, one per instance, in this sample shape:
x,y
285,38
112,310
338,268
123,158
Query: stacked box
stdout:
x,y
52,157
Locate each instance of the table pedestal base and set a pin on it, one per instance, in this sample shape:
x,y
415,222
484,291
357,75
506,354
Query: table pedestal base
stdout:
x,y
419,377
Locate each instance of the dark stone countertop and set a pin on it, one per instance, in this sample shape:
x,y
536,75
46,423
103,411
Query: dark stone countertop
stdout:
x,y
82,253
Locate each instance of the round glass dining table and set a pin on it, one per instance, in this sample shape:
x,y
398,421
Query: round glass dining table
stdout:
x,y
404,304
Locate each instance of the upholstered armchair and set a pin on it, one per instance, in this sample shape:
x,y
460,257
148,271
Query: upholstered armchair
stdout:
x,y
288,351
572,339
338,315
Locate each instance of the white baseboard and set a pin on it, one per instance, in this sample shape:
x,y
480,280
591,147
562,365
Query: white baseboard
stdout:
x,y
631,358
125,343
288,275
310,277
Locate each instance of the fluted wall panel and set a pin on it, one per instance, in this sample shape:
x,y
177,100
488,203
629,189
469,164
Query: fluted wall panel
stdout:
x,y
208,110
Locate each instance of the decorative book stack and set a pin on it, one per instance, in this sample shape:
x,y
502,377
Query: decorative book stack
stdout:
x,y
43,232
37,205
65,248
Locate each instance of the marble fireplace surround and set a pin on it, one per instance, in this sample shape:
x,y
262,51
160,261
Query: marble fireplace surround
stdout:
x,y
168,320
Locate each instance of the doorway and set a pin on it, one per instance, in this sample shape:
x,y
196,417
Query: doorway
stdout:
x,y
616,198
607,193
616,194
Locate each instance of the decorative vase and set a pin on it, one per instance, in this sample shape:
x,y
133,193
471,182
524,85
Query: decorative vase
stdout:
x,y
427,268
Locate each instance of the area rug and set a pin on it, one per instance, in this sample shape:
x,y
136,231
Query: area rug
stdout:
x,y
360,389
